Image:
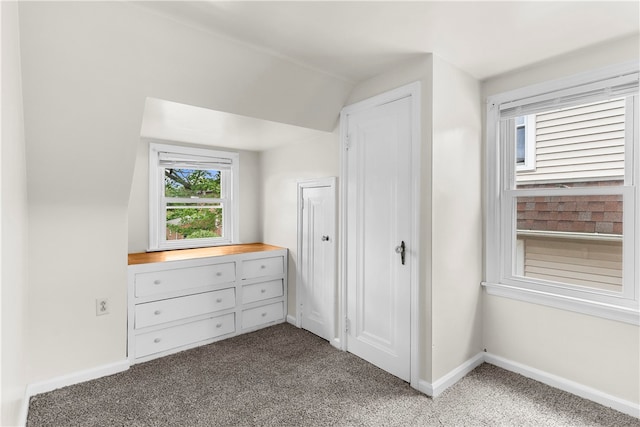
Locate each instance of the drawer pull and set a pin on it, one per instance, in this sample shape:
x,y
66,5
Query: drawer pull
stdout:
x,y
263,266
264,314
219,300
262,291
157,312
157,340
219,273
219,325
157,282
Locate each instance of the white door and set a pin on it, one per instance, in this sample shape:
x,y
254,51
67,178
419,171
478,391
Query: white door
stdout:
x,y
379,224
317,244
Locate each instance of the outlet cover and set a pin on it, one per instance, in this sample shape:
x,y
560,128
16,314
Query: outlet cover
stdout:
x,y
102,306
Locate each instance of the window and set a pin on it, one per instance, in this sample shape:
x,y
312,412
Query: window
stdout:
x,y
525,143
192,197
563,225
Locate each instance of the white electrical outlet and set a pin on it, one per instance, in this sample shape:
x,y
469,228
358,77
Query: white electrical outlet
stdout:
x,y
102,306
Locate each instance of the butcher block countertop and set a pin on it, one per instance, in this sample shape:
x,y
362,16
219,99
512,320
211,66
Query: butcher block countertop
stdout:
x,y
182,254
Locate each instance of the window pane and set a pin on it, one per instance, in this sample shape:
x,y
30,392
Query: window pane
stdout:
x,y
520,144
193,183
574,240
195,221
577,145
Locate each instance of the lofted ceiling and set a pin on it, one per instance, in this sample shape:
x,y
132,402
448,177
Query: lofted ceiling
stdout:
x,y
357,40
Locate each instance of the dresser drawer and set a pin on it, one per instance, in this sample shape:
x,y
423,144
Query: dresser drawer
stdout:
x,y
169,338
263,267
262,291
261,315
154,313
160,282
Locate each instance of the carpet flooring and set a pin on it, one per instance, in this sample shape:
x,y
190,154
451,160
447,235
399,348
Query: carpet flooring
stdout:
x,y
284,376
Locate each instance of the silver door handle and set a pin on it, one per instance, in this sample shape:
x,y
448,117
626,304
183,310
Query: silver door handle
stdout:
x,y
325,238
402,249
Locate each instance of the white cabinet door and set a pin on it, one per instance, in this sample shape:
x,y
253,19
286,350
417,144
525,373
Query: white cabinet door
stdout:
x,y
379,216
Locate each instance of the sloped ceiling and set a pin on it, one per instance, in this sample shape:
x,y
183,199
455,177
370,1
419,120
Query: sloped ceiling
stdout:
x,y
358,40
180,122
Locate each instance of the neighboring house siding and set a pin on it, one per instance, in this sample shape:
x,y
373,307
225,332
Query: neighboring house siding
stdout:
x,y
574,239
596,264
580,143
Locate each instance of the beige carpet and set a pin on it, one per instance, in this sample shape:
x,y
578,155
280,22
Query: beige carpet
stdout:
x,y
284,376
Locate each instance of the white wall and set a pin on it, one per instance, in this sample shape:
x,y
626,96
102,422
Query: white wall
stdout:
x,y
457,218
13,224
87,68
249,216
595,352
282,168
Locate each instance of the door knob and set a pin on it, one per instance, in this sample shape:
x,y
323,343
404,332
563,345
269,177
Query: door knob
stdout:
x,y
402,249
325,238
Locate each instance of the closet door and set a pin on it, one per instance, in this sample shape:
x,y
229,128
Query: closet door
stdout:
x,y
379,213
317,242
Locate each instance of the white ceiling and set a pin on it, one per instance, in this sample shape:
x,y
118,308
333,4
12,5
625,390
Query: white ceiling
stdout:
x,y
358,40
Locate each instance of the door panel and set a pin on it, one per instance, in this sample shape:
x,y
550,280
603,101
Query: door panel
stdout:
x,y
318,261
379,218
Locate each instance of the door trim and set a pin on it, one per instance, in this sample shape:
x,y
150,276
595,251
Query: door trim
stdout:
x,y
413,91
315,183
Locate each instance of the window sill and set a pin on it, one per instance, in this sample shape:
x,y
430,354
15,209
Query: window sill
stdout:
x,y
591,308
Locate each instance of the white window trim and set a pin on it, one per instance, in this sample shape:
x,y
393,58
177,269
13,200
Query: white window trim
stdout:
x,y
157,239
623,308
529,145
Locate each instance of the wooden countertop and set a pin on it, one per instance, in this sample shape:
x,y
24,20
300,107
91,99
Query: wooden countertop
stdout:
x,y
182,254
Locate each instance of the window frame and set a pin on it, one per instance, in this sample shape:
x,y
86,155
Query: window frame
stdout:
x,y
501,215
229,197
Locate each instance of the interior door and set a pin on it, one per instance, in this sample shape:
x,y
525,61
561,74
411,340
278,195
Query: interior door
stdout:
x,y
378,215
317,258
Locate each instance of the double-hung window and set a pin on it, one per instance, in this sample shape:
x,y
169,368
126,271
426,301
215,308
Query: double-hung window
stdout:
x,y
193,197
563,200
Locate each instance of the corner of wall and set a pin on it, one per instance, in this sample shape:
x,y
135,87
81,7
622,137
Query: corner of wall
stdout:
x,y
13,222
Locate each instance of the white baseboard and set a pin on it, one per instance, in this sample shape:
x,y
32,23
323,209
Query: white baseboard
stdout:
x,y
436,388
564,384
293,320
67,380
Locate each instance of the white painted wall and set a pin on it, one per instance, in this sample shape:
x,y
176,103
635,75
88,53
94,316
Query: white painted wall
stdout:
x,y
457,218
13,222
595,352
282,168
250,223
87,68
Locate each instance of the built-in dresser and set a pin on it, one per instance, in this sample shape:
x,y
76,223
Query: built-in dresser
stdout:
x,y
186,298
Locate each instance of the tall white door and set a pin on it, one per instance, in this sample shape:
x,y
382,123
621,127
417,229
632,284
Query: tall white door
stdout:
x,y
379,214
317,275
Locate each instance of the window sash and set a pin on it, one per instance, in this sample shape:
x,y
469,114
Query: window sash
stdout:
x,y
509,245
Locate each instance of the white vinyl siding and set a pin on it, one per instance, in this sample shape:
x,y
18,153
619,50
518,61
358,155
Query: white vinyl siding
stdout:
x,y
595,264
579,143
